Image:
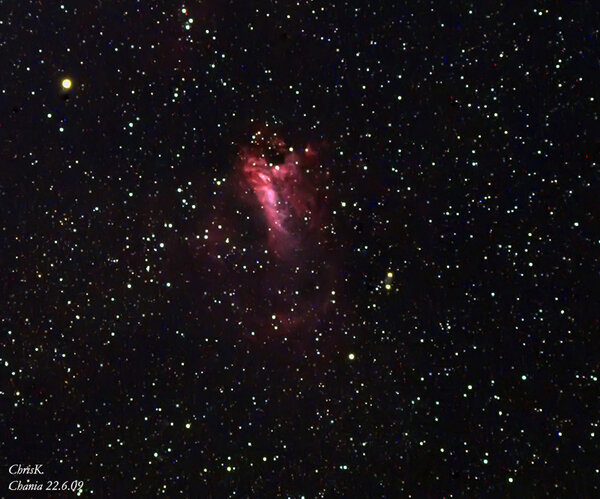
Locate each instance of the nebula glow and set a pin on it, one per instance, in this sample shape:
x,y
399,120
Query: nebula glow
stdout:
x,y
274,175
267,244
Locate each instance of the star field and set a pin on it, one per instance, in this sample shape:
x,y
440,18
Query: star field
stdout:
x,y
300,249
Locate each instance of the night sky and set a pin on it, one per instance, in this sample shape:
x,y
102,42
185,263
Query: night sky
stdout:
x,y
300,249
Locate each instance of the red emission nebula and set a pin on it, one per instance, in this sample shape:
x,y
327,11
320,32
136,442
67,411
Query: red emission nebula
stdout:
x,y
269,244
287,200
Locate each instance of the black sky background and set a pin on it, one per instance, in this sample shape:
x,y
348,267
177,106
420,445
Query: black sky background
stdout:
x,y
458,151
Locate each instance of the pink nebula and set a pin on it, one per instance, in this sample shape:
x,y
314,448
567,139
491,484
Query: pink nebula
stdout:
x,y
284,195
